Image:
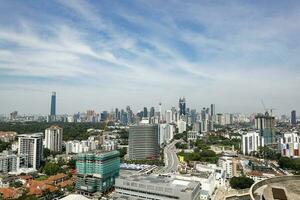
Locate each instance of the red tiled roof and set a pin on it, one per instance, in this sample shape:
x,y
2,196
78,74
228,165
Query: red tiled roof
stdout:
x,y
8,193
57,177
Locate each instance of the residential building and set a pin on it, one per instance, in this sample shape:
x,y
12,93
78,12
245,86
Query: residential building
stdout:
x,y
166,133
143,141
32,145
96,172
139,187
7,136
110,145
289,145
76,146
251,141
229,165
10,162
54,138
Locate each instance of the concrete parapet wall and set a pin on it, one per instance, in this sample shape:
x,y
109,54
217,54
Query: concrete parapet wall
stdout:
x,y
259,184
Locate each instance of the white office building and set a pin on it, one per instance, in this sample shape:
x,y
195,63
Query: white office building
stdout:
x,y
32,145
54,138
181,126
251,142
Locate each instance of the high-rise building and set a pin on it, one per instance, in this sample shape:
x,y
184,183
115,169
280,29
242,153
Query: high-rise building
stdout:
x,y
265,124
193,116
169,116
143,141
166,133
152,112
53,104
293,118
13,115
181,126
10,162
145,112
96,172
32,145
212,110
53,138
251,142
182,106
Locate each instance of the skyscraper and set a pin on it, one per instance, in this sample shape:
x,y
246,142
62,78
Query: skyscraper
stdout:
x,y
32,145
169,116
53,138
96,172
182,106
212,110
145,112
53,104
143,142
293,118
152,112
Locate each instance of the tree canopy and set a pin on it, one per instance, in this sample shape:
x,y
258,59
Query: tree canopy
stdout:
x,y
241,182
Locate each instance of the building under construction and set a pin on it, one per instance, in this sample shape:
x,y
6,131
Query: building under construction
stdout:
x,y
96,172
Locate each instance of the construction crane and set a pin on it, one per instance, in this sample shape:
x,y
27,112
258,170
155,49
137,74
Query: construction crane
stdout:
x,y
263,104
269,110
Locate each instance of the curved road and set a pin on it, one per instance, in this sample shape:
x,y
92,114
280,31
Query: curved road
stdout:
x,y
171,159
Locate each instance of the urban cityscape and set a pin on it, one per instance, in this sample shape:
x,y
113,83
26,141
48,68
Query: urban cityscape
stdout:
x,y
79,121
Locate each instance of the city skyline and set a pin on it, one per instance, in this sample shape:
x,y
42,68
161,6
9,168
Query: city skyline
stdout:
x,y
105,55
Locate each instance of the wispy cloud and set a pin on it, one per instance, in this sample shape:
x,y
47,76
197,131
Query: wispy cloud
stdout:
x,y
206,51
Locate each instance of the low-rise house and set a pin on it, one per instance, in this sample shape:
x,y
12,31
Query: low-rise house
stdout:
x,y
9,193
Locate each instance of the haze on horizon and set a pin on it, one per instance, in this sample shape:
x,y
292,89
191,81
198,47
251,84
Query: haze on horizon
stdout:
x,y
105,54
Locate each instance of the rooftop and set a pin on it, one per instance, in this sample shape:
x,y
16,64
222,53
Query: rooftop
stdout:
x,y
75,196
164,181
54,127
283,186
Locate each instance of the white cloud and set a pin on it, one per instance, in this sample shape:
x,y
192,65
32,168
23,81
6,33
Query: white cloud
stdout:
x,y
241,53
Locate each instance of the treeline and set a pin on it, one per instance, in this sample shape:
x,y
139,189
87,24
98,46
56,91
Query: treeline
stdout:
x,y
203,156
146,162
72,131
291,164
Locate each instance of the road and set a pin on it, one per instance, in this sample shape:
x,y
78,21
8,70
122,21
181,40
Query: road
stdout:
x,y
171,159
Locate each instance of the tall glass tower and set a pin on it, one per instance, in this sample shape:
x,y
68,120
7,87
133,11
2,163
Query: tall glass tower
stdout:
x,y
182,106
53,104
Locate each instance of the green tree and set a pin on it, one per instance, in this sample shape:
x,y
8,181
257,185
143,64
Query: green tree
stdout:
x,y
241,182
16,184
4,145
72,164
51,168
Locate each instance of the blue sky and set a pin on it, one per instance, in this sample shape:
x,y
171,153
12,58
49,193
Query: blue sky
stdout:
x,y
105,54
